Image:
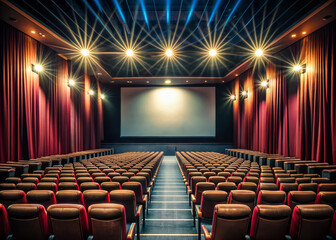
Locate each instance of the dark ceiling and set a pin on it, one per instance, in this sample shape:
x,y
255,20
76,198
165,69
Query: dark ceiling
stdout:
x,y
110,27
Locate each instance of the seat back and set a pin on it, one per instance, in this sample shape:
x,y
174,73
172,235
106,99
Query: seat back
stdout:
x,y
327,198
235,179
47,186
200,188
194,181
126,198
4,225
270,222
110,186
68,221
251,179
216,179
43,197
311,222
210,199
247,186
89,186
326,187
26,187
246,197
8,197
68,186
108,221
230,221
95,196
7,186
70,196
136,188
271,197
28,221
120,179
287,187
227,186
308,187
300,197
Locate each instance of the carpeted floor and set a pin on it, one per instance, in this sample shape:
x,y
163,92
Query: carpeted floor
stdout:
x,y
169,216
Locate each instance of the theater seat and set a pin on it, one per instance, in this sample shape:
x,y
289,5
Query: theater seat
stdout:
x,y
308,187
89,186
68,221
267,186
15,180
216,179
95,196
70,196
270,222
4,225
110,186
311,222
140,198
113,217
328,198
246,197
271,197
247,186
68,186
300,197
47,186
28,222
227,186
43,197
326,187
230,222
333,227
7,186
26,187
287,187
8,197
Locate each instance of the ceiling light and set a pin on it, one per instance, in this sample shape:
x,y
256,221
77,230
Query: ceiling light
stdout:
x,y
91,92
129,52
297,68
37,68
168,81
99,74
293,35
102,96
265,83
85,52
259,52
71,82
212,52
147,81
244,93
169,52
304,33
205,81
43,35
33,32
237,74
233,97
187,81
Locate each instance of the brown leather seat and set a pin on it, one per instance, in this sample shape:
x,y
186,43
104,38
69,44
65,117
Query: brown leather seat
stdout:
x,y
43,197
81,180
67,179
270,222
210,198
251,179
326,187
68,186
128,174
15,180
267,180
311,222
285,180
216,179
271,197
70,196
209,174
34,180
110,186
49,179
98,174
121,171
26,187
120,179
227,186
140,198
113,174
247,186
308,187
68,221
127,198
95,196
230,222
224,174
28,221
47,186
192,187
4,225
320,180
302,180
300,197
287,187
328,198
8,197
100,180
246,197
236,180
267,186
108,221
7,186
89,186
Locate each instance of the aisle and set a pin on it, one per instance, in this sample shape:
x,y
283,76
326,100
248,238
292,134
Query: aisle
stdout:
x,y
169,216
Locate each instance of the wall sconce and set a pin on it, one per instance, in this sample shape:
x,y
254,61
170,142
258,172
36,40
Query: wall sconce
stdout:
x,y
244,94
300,68
37,68
265,83
233,97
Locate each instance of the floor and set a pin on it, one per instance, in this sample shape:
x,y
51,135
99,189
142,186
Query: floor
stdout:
x,y
169,216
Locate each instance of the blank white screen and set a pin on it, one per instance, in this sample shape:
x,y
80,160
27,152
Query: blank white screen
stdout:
x,y
168,112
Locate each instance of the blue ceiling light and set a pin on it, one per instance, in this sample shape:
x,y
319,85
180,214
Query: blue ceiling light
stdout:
x,y
191,11
143,8
98,5
168,10
117,5
214,11
234,9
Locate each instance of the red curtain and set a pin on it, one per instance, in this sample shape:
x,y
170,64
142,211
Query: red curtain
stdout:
x,y
292,118
40,115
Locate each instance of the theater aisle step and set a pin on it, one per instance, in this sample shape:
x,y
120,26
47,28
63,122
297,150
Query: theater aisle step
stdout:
x,y
169,216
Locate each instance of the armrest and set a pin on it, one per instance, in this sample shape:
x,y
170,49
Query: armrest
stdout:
x,y
139,211
131,232
199,213
206,233
193,199
145,199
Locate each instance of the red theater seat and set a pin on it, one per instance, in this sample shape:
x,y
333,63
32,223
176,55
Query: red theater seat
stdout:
x,y
4,225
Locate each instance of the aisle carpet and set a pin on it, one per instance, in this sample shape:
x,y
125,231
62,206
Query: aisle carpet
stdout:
x,y
169,216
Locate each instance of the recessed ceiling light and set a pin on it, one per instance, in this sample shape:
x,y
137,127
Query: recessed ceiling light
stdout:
x,y
187,81
212,52
147,81
129,52
85,52
43,35
91,92
205,81
293,35
297,67
33,32
259,52
71,82
304,33
237,74
168,81
169,52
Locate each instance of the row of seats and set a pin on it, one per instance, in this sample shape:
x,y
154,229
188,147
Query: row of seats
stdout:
x,y
65,222
307,222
